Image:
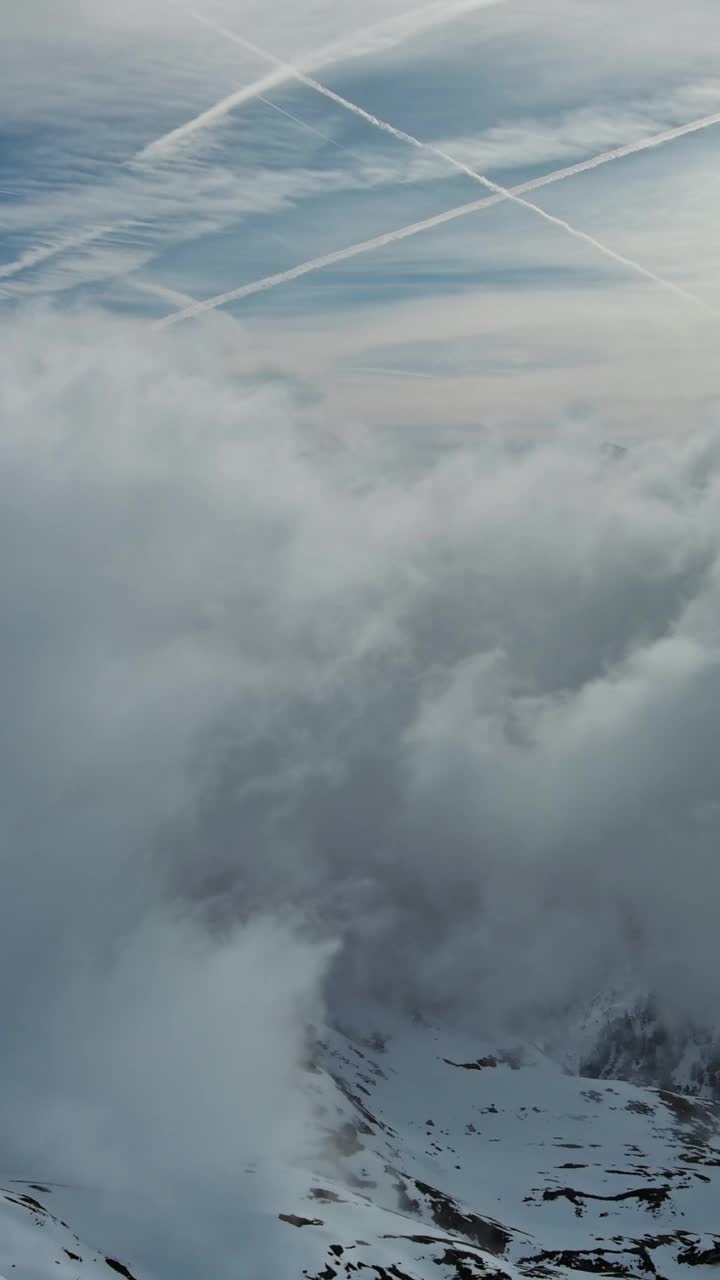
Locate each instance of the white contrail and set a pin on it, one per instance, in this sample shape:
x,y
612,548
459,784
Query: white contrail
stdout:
x,y
156,290
77,240
460,166
164,147
427,224
43,252
436,13
303,123
36,256
305,268
361,41
161,291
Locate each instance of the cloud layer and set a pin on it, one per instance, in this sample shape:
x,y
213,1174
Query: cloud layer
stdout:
x,y
296,716
310,666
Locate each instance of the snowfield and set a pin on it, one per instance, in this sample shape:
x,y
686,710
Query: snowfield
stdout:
x,y
436,1157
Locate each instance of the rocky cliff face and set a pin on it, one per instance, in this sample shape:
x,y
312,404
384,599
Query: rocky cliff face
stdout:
x,y
641,1046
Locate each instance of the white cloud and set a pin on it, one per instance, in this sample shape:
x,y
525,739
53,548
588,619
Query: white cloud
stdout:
x,y
147,1057
199,556
552,140
269,685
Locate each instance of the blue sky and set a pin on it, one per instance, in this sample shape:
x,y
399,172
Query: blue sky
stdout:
x,y
130,182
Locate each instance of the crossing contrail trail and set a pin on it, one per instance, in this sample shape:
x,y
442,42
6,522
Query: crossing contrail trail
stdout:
x,y
425,224
162,148
303,123
43,253
434,14
506,193
363,40
431,15
37,256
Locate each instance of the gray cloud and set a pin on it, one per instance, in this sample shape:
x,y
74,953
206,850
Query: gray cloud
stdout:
x,y
268,687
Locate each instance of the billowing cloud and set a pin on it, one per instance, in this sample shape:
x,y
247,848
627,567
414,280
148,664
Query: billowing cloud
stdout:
x,y
310,669
295,716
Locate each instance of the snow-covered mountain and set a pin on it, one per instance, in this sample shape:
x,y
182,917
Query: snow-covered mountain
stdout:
x,y
436,1157
639,1045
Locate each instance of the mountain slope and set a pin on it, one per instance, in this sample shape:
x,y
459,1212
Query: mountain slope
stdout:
x,y
638,1045
436,1160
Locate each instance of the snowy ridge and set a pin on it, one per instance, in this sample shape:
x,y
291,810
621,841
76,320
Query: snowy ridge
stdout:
x,y
34,1243
436,1160
522,1169
637,1044
622,1035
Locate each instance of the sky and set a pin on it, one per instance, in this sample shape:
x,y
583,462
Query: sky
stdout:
x,y
360,641
151,157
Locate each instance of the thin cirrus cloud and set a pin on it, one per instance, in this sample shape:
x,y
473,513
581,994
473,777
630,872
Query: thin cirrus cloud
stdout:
x,y
154,191
381,35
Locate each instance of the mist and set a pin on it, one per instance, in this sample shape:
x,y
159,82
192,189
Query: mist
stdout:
x,y
298,717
